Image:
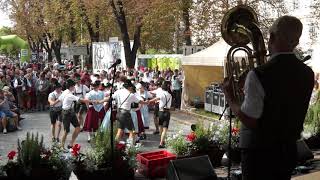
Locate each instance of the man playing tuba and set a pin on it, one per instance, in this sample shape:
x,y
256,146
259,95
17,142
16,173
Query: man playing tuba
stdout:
x,y
276,100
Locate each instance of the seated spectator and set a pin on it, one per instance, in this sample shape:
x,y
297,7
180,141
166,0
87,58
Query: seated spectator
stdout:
x,y
5,108
4,122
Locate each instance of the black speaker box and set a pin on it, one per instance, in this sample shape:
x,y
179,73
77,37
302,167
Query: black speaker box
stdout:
x,y
194,168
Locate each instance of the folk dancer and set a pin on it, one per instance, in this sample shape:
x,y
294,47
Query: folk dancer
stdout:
x,y
68,114
96,111
80,91
55,112
165,99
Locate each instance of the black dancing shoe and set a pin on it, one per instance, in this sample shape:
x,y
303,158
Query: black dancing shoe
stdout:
x,y
161,146
69,146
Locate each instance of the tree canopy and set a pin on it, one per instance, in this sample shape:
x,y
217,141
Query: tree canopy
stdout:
x,y
162,25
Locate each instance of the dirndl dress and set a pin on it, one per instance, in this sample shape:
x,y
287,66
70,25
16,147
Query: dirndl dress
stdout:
x,y
95,112
137,121
93,118
106,120
145,116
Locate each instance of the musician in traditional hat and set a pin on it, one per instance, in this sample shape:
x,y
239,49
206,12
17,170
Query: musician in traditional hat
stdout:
x,y
276,100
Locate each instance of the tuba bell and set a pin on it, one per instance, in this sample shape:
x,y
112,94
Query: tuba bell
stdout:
x,y
239,28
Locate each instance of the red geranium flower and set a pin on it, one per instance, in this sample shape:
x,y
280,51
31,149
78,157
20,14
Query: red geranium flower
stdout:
x,y
121,147
235,131
12,154
75,150
191,137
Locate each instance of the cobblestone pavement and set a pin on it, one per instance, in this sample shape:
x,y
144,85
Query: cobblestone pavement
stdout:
x,y
39,122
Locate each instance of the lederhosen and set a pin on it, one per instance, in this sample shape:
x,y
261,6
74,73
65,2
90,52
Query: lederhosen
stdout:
x,y
69,116
164,115
79,107
124,117
55,113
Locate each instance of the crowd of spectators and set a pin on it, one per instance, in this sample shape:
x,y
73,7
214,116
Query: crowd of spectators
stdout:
x,y
26,88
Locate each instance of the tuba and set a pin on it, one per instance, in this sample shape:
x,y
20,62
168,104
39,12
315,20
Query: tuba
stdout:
x,y
239,28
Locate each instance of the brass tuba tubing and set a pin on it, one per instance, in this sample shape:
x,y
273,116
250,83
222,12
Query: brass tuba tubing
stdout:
x,y
238,28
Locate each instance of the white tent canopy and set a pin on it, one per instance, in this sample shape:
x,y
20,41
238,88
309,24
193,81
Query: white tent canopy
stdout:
x,y
211,56
214,55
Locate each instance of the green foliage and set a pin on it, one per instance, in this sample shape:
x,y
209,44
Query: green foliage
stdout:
x,y
101,153
99,157
131,153
216,134
29,151
32,156
178,144
203,137
312,119
164,63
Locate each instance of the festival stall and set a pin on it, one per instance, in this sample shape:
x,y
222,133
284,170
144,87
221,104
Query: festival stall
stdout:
x,y
201,69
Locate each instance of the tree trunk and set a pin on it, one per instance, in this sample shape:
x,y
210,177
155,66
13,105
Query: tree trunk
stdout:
x,y
186,21
94,36
76,59
176,36
49,55
57,54
56,46
130,54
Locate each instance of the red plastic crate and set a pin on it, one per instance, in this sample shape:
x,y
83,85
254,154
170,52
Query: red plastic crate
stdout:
x,y
154,164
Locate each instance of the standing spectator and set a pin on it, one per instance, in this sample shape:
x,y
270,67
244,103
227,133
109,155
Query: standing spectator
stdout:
x,y
28,81
176,87
20,87
42,86
147,78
